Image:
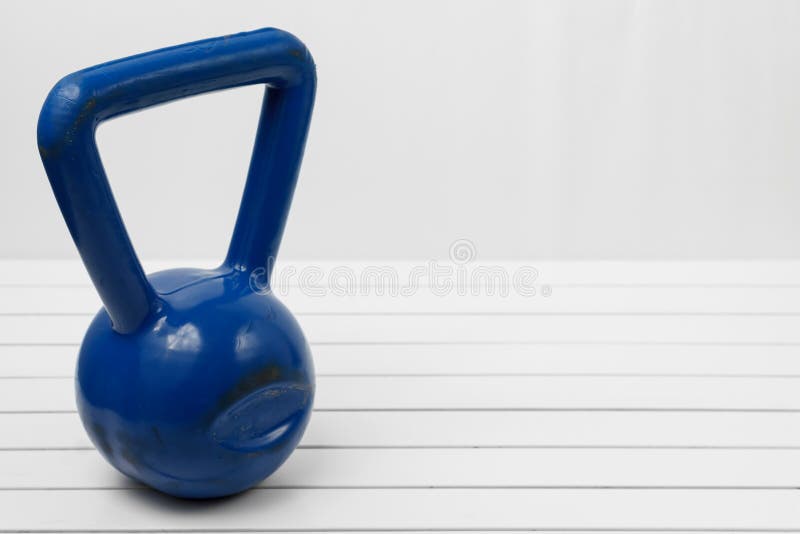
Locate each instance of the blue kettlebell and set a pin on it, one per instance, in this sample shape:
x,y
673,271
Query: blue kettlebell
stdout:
x,y
198,383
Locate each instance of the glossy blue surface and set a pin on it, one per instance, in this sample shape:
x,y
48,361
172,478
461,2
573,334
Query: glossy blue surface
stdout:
x,y
195,382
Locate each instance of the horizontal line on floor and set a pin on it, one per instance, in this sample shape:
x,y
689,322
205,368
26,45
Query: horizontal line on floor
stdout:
x,y
588,409
485,447
415,530
498,287
496,375
619,343
475,314
433,486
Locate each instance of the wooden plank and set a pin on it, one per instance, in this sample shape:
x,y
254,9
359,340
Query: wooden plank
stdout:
x,y
556,273
563,300
477,329
342,509
534,392
448,468
487,393
470,359
480,429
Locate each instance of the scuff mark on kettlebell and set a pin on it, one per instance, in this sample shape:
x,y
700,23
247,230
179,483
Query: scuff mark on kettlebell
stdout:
x,y
157,435
101,439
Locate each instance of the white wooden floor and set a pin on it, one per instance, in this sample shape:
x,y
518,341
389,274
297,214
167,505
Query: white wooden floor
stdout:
x,y
637,397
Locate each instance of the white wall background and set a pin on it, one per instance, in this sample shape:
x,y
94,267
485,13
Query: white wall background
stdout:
x,y
616,129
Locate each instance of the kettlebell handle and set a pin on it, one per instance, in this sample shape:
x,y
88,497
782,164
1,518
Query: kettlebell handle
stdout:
x,y
82,100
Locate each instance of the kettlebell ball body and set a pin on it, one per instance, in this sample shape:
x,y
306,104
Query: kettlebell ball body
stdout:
x,y
198,383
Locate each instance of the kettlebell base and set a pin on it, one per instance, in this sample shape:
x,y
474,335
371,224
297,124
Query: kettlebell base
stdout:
x,y
209,397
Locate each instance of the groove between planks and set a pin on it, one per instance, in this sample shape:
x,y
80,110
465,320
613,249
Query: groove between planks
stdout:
x,y
409,531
